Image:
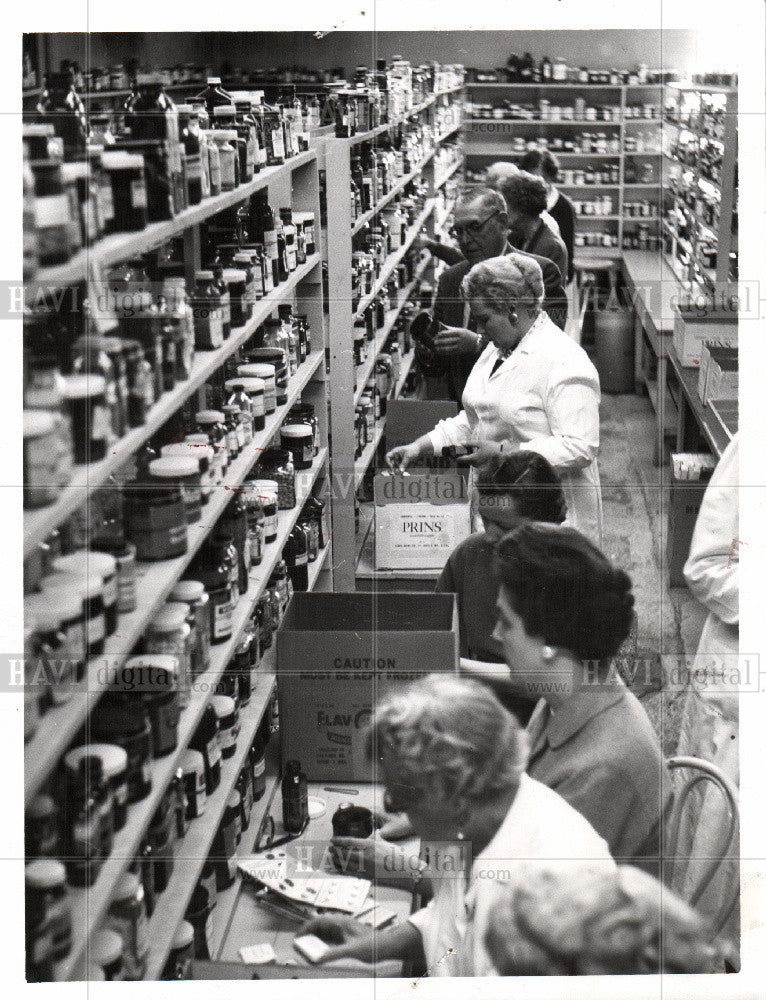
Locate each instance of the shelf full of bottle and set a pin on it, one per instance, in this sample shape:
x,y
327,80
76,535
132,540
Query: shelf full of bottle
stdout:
x,y
566,110
91,196
198,679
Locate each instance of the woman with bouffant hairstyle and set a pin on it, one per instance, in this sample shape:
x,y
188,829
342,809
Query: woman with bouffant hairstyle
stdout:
x,y
563,612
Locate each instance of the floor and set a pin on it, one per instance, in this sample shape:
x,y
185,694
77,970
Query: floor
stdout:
x,y
669,619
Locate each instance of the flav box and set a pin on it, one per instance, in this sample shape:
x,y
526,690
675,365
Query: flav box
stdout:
x,y
337,654
692,329
420,517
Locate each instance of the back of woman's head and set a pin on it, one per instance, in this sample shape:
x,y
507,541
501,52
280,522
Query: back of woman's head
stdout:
x,y
525,193
529,480
449,731
595,919
540,161
565,590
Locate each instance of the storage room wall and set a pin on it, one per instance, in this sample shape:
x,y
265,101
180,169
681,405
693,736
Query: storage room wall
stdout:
x,y
673,49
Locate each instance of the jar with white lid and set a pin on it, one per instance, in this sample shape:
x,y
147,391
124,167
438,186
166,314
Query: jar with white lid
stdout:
x,y
298,439
90,416
193,767
202,443
267,374
47,466
48,918
213,423
90,589
87,562
185,473
247,394
49,662
62,609
228,723
202,454
106,951
169,634
236,280
179,962
193,594
266,493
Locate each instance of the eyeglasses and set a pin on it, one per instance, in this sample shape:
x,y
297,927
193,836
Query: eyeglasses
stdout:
x,y
264,841
471,228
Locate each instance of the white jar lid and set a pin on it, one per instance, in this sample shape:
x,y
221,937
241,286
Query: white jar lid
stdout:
x,y
153,661
296,431
264,484
223,705
209,417
45,874
183,936
187,590
204,275
85,584
85,561
106,947
182,449
262,371
197,439
193,760
170,468
114,760
170,617
83,386
122,161
250,385
52,608
231,275
127,887
38,423
35,130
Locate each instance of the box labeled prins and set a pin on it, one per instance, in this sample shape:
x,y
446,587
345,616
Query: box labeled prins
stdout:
x,y
693,329
337,654
419,518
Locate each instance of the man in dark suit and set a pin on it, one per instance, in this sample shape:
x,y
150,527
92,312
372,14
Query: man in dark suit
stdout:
x,y
480,227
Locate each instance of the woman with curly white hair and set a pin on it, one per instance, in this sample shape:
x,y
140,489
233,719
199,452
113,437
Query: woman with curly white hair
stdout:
x,y
531,388
452,758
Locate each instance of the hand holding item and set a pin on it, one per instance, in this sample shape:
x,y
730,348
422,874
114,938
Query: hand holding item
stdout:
x,y
343,934
399,458
456,340
395,826
483,451
374,858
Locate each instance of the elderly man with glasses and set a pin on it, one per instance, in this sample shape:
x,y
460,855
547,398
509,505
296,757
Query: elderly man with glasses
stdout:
x,y
481,229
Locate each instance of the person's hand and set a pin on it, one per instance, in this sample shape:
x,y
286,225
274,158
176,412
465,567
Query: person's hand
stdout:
x,y
342,933
372,858
395,827
484,450
399,458
457,340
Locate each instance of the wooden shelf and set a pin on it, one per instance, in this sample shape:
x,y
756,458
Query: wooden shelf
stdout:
x,y
451,171
38,524
119,247
487,149
598,218
155,581
548,85
400,185
393,261
613,123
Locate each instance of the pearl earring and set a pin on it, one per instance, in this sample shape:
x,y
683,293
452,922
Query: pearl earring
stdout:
x,y
460,835
548,652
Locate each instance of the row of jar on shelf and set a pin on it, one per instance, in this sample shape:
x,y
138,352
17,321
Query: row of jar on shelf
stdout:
x,y
544,110
375,244
585,142
89,803
525,69
152,327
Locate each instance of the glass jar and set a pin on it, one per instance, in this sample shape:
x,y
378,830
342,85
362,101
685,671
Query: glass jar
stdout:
x,y
213,423
252,389
241,423
240,403
48,918
128,189
212,569
162,838
265,492
121,719
88,835
192,593
155,519
90,417
55,222
205,740
127,917
201,455
41,829
224,851
90,590
298,439
228,723
276,466
193,766
87,563
296,556
184,473
210,466
155,676
169,634
267,374
114,762
277,357
207,313
53,614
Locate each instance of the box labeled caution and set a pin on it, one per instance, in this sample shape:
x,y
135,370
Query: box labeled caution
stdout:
x,y
419,518
337,654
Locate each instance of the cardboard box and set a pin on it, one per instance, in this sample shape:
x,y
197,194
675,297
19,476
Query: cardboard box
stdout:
x,y
337,654
684,505
719,373
408,419
692,329
419,518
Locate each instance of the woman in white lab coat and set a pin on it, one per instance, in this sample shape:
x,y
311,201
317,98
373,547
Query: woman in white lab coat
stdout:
x,y
532,388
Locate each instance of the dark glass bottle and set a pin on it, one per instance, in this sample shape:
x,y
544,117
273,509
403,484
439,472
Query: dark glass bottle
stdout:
x,y
295,805
296,556
61,106
235,522
189,135
214,95
84,824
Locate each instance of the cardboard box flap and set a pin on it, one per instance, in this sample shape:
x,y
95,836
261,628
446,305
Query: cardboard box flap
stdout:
x,y
408,419
368,612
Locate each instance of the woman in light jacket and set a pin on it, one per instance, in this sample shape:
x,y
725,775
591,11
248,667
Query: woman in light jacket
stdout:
x,y
532,388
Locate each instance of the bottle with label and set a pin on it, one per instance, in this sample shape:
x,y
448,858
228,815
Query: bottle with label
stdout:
x,y
226,551
84,822
61,106
295,807
234,522
188,124
258,760
206,741
296,556
212,569
127,917
214,95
